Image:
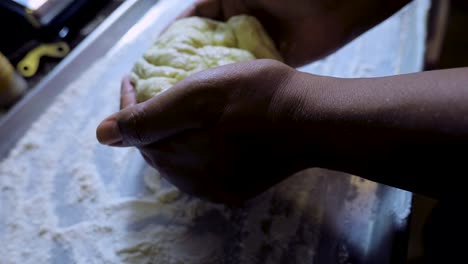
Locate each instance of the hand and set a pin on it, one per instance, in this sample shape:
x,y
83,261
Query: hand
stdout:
x,y
304,30
218,134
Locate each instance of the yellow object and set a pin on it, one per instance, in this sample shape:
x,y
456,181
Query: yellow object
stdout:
x,y
12,86
29,65
6,72
193,44
32,18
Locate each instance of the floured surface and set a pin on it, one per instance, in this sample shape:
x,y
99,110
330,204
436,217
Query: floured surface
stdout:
x,y
66,199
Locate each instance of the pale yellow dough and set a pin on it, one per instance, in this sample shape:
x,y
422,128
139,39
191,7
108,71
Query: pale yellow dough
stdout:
x,y
193,44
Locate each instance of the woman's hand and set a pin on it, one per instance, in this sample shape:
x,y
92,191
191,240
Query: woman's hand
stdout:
x,y
221,133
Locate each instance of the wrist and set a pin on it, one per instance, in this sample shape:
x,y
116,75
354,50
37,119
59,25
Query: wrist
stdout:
x,y
308,119
333,123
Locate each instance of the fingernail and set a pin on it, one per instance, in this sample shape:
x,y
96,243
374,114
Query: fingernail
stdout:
x,y
108,132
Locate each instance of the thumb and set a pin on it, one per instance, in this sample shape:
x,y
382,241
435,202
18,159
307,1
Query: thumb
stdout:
x,y
196,101
160,117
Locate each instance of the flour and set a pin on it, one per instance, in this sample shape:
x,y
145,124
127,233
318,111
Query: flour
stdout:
x,y
67,199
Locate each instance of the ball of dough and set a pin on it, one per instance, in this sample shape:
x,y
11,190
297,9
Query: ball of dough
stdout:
x,y
214,56
193,44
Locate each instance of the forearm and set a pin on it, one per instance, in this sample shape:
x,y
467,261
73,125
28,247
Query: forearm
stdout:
x,y
409,131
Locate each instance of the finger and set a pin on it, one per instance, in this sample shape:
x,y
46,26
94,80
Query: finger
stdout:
x,y
218,10
175,110
127,93
158,118
203,8
108,132
197,101
208,8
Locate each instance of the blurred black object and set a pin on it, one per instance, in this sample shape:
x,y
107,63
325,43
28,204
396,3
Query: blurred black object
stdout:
x,y
445,232
72,25
20,35
447,39
442,226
